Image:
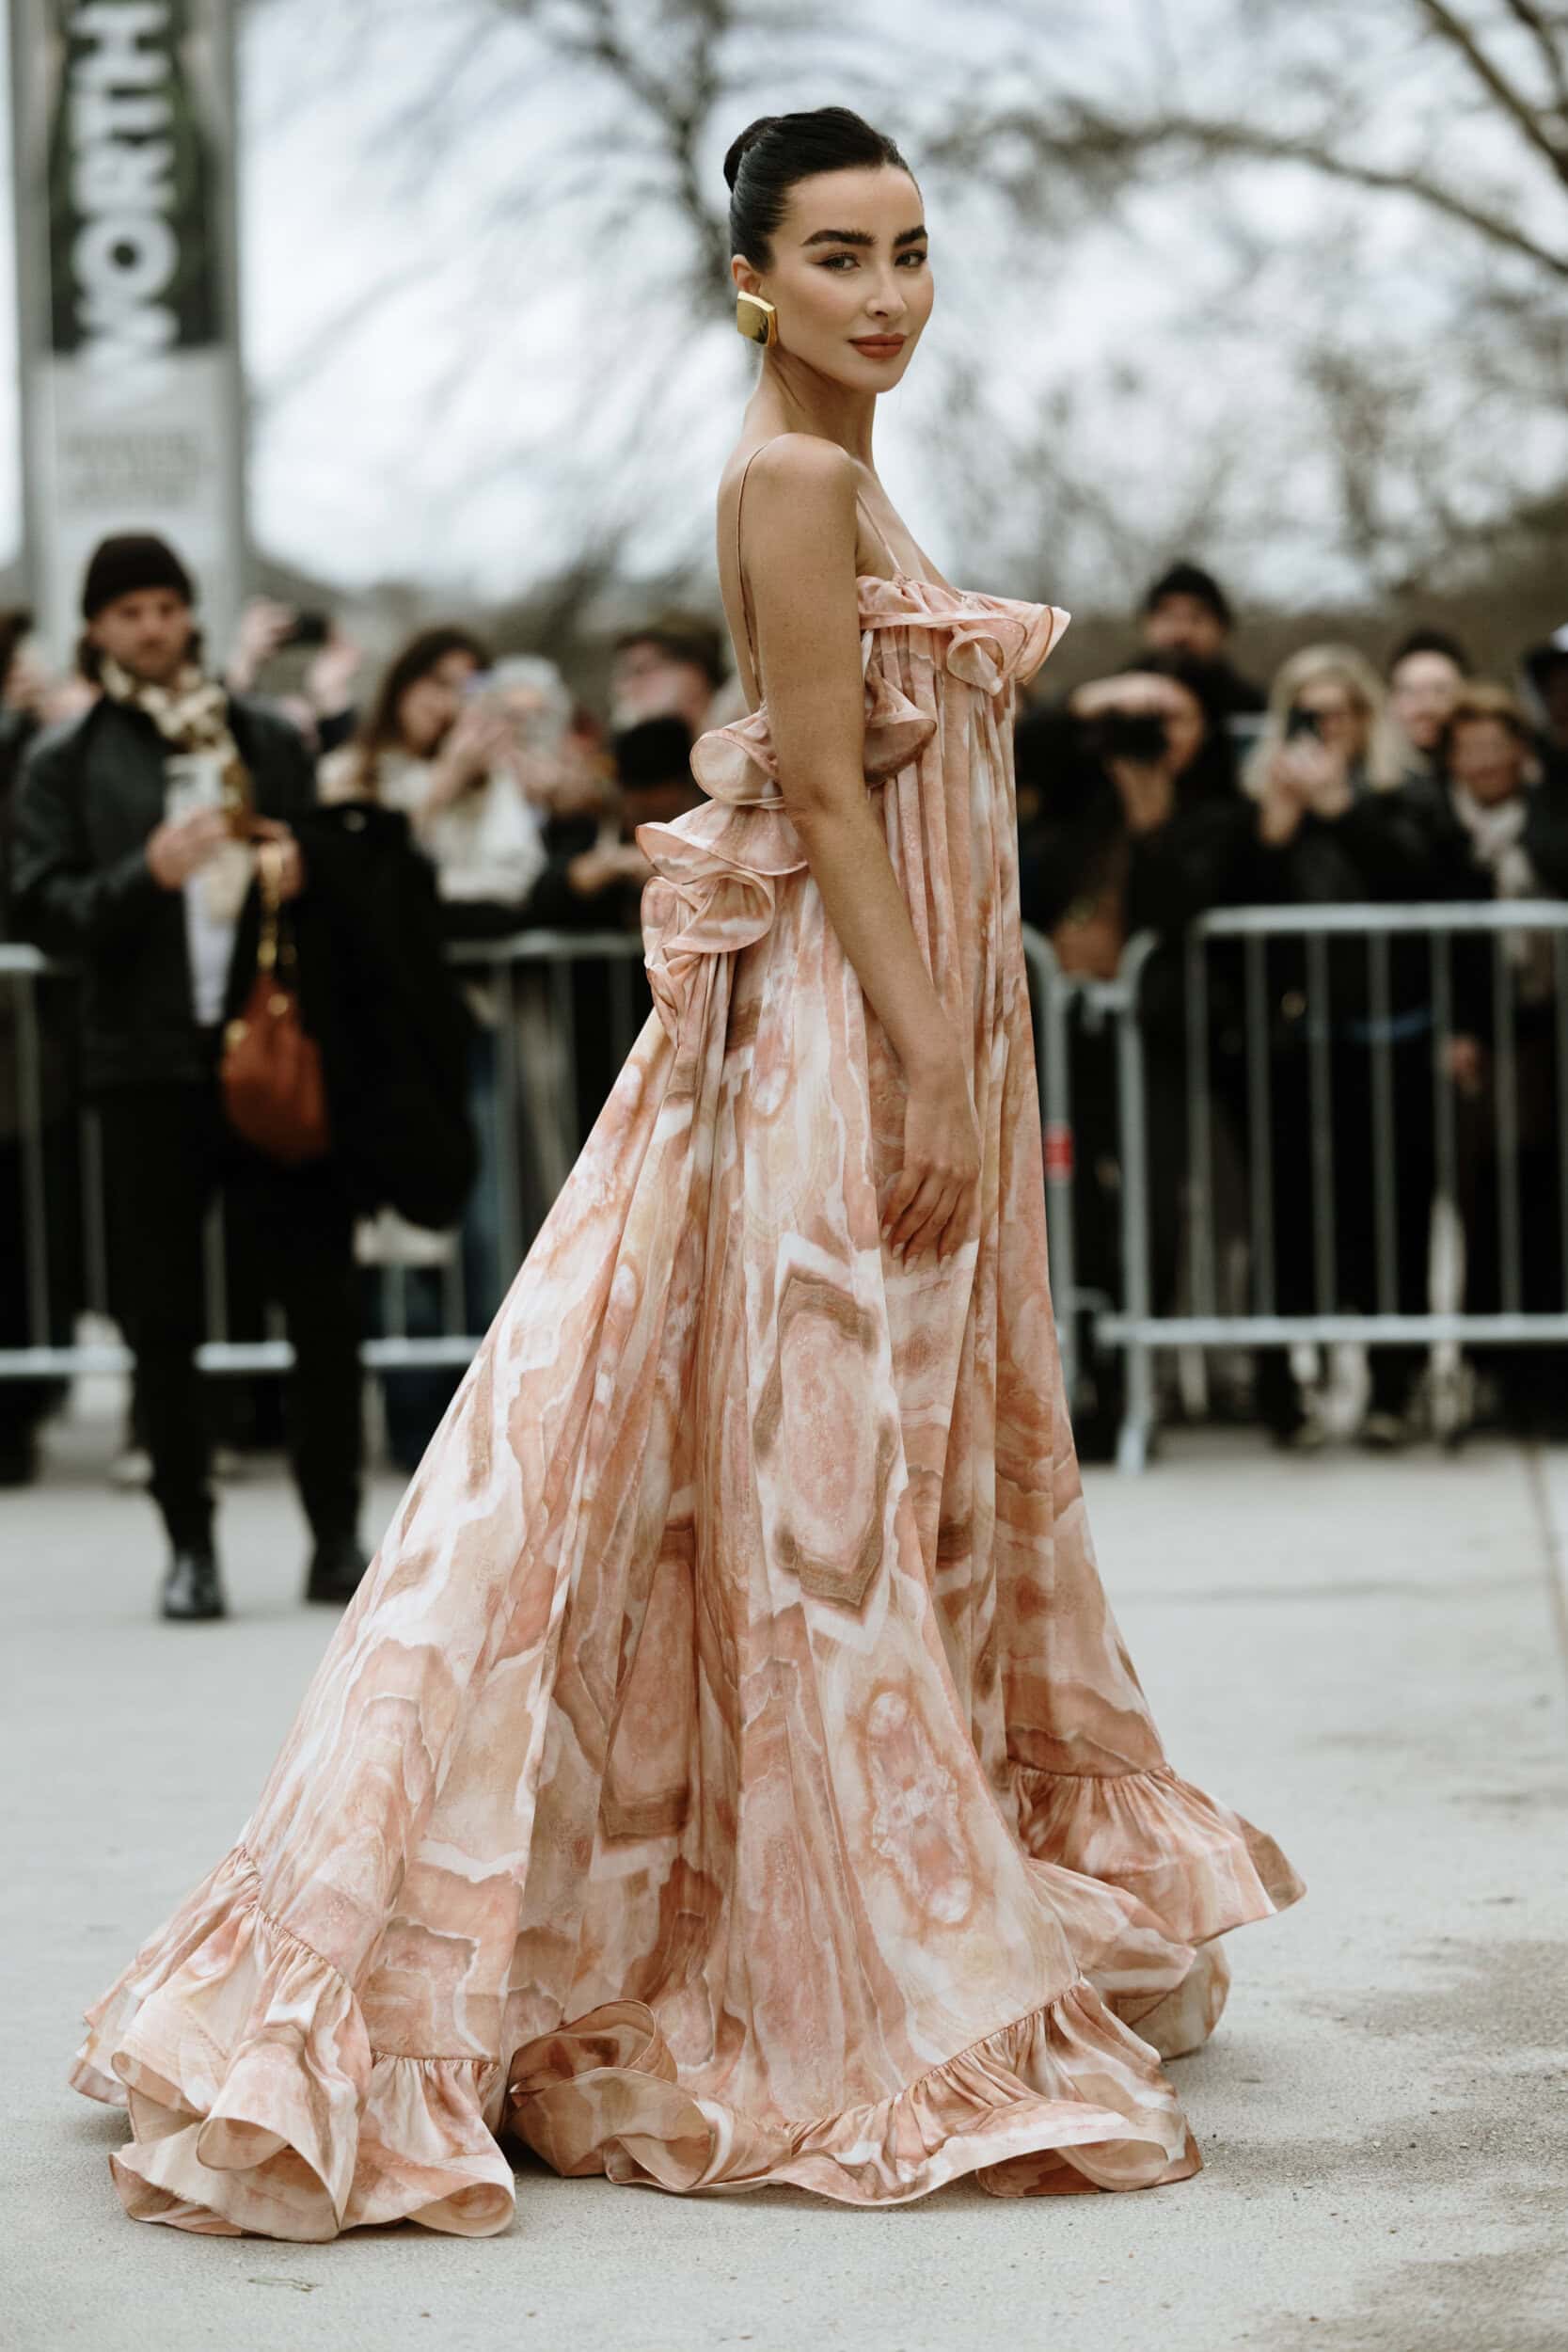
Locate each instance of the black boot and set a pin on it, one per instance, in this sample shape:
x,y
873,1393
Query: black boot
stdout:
x,y
191,1586
336,1564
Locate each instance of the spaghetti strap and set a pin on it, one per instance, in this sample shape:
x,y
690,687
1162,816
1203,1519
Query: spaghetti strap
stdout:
x,y
740,554
860,508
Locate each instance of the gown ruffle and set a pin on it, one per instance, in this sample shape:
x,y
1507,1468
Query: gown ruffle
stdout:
x,y
729,1771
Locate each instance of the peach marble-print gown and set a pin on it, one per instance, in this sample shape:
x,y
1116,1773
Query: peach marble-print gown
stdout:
x,y
730,1771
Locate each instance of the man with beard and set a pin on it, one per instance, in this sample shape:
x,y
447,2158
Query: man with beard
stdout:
x,y
1187,613
133,854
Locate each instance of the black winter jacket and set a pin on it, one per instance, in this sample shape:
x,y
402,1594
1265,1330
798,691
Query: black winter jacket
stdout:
x,y
384,1004
91,794
1402,847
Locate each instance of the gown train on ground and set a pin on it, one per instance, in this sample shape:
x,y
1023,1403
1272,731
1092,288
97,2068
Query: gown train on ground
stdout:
x,y
730,1771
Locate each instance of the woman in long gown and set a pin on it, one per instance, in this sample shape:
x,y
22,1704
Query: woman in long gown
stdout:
x,y
729,1771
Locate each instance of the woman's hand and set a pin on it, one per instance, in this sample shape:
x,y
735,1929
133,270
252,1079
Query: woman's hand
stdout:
x,y
1280,805
329,680
1317,775
263,629
1300,776
1148,792
931,1203
1091,936
596,869
565,784
477,744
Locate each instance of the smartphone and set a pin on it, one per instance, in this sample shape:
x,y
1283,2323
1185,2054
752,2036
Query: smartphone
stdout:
x,y
193,783
1302,722
310,629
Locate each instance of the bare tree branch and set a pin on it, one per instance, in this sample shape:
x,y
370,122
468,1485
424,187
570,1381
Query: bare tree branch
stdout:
x,y
1459,38
1098,143
1552,50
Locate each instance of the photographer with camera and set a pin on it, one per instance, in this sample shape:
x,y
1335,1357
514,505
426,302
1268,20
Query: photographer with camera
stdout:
x,y
1123,843
1187,613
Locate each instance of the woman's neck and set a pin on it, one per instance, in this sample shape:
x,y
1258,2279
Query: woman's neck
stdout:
x,y
792,398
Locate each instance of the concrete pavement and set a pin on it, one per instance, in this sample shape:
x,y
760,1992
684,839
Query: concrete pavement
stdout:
x,y
1367,1656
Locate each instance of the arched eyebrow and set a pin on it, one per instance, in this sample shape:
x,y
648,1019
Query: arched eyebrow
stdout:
x,y
864,238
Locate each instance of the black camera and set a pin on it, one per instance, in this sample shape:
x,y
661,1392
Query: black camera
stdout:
x,y
1136,735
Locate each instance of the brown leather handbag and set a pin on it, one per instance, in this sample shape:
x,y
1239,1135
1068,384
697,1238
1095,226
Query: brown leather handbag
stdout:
x,y
270,1075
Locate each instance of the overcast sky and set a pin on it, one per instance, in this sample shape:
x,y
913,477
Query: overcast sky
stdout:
x,y
452,434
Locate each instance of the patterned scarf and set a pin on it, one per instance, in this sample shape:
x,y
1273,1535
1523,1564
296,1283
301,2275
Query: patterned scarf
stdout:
x,y
1496,831
192,716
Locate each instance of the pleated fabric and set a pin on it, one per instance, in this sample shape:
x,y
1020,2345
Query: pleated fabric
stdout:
x,y
730,1771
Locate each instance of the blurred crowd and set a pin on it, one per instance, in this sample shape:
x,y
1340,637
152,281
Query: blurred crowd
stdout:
x,y
461,797
1177,787
455,799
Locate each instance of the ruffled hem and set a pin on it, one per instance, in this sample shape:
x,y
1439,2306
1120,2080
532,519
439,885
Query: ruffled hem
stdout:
x,y
1199,1868
1066,2098
257,2106
255,2101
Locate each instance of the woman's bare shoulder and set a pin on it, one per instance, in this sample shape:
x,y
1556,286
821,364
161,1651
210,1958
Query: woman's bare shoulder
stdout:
x,y
794,465
800,500
805,464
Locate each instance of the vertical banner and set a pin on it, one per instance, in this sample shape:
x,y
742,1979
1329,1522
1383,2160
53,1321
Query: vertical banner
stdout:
x,y
131,389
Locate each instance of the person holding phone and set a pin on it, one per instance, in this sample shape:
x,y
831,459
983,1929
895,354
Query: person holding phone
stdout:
x,y
133,852
316,691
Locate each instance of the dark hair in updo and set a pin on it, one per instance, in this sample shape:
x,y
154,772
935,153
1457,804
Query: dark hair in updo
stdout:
x,y
776,151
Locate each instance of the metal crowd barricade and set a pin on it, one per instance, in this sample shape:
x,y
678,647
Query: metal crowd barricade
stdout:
x,y
1140,1325
528,979
1055,997
540,1129
538,1132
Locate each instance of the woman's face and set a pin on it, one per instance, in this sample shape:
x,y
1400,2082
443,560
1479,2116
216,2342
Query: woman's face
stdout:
x,y
1488,759
1421,692
850,276
429,707
1342,721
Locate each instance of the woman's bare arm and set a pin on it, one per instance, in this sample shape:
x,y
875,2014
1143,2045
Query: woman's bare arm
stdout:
x,y
799,523
800,527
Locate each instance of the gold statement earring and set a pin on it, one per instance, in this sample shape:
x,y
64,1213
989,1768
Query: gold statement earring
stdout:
x,y
756,320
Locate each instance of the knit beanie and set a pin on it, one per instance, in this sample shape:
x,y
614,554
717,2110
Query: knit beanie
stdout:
x,y
132,561
1191,580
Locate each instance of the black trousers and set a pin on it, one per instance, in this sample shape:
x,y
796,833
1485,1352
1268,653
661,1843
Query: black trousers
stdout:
x,y
168,1151
25,1402
1393,1370
1097,1209
1533,1377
